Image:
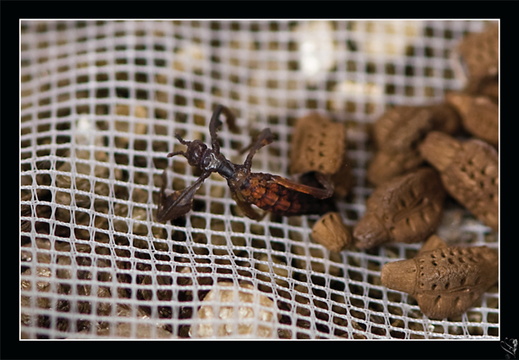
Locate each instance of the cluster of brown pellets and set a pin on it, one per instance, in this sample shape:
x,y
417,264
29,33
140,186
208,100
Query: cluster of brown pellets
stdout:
x,y
444,280
423,154
319,149
457,138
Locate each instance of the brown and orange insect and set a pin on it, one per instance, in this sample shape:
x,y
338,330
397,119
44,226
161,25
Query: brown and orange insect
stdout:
x,y
268,192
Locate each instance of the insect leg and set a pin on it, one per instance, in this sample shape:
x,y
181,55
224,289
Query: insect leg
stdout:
x,y
177,203
263,139
216,123
247,209
326,182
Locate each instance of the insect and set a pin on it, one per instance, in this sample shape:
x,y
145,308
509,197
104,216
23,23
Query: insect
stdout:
x,y
271,193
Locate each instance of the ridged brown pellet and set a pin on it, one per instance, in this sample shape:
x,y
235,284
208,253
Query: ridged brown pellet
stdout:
x,y
319,145
480,52
445,281
406,209
469,173
479,115
331,232
397,134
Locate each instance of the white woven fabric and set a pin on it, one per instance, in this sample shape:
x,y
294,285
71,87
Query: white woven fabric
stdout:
x,y
100,103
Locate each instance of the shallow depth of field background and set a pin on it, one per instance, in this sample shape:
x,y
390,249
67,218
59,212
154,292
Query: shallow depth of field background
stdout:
x,y
100,104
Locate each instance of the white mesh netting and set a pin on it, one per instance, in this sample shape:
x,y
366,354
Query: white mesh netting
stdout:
x,y
100,104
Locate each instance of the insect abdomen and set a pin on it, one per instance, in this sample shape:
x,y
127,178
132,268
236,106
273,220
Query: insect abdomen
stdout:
x,y
268,195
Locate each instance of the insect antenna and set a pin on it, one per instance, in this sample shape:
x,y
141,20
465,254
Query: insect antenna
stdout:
x,y
183,142
177,153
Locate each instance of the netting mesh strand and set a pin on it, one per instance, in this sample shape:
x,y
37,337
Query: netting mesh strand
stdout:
x,y
100,103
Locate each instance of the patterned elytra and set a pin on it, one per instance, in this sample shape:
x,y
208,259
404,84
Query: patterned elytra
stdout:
x,y
469,172
405,209
445,281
